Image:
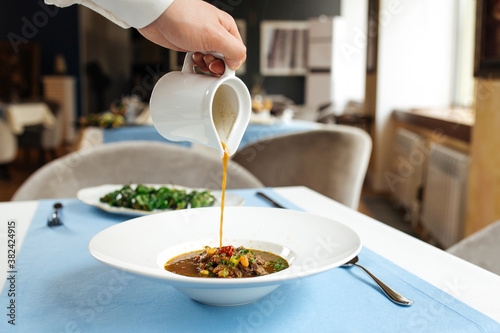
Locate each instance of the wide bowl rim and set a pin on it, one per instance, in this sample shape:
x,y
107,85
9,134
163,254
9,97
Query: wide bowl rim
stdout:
x,y
176,280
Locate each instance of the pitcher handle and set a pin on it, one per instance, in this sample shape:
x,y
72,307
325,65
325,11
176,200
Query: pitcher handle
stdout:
x,y
188,66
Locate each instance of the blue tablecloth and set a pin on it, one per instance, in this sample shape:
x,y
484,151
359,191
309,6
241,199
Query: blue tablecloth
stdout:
x,y
253,132
132,133
61,288
256,132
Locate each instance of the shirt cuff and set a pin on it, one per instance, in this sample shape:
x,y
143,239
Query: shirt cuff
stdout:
x,y
136,13
125,13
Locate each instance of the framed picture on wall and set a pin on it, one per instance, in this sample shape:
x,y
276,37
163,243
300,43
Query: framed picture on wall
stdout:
x,y
283,48
487,48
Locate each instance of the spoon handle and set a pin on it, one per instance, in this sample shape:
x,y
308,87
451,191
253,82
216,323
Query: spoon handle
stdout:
x,y
393,295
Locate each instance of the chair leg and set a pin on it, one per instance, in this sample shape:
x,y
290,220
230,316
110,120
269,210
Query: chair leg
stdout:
x,y
41,156
53,154
26,155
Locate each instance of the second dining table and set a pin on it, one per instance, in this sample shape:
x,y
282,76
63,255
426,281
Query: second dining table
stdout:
x,y
92,136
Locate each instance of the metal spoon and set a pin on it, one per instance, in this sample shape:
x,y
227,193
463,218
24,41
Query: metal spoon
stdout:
x,y
393,296
55,220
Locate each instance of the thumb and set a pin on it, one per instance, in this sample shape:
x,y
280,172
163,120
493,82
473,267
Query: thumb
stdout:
x,y
228,42
234,51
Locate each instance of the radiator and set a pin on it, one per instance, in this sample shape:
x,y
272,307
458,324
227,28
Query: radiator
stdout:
x,y
444,200
411,159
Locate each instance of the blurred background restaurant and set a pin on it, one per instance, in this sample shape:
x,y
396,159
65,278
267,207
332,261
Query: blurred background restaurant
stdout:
x,y
420,77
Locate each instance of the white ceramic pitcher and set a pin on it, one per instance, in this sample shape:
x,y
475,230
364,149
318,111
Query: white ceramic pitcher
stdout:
x,y
186,106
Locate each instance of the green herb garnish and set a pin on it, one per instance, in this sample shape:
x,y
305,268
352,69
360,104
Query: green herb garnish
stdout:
x,y
150,198
278,264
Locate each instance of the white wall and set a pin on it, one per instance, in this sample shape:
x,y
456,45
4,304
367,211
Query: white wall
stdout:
x,y
347,57
351,55
416,62
464,86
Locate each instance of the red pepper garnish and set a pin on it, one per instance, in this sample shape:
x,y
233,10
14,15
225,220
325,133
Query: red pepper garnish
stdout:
x,y
228,250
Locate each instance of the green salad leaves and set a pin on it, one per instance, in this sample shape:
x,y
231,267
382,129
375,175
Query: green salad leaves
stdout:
x,y
147,198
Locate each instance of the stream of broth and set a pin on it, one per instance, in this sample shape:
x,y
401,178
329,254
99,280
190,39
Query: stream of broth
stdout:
x,y
225,159
188,263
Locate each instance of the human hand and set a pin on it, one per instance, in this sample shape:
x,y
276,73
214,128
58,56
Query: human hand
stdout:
x,y
207,63
194,25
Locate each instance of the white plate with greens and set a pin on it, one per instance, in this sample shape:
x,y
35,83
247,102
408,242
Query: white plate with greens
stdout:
x,y
92,196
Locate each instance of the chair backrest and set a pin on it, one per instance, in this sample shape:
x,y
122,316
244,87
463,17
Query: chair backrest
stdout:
x,y
131,162
331,160
482,248
8,144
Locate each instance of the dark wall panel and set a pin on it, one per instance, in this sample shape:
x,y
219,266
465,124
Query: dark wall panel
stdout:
x,y
54,30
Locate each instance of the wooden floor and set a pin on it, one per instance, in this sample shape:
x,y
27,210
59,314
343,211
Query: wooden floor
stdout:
x,y
8,186
20,169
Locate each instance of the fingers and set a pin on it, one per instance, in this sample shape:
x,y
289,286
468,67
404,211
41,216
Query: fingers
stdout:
x,y
225,39
198,60
227,21
215,65
194,25
234,53
233,50
228,42
209,64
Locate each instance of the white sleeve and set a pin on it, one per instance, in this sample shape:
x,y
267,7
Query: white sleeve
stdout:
x,y
125,13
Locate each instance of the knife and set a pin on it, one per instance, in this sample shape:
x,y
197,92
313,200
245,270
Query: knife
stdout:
x,y
271,201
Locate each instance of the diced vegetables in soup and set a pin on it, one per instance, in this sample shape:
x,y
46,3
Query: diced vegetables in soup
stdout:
x,y
226,262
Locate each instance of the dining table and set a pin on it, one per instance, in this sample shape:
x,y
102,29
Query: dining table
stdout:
x,y
53,284
92,136
20,115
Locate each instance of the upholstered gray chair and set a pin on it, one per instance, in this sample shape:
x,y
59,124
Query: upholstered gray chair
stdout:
x,y
131,162
481,248
331,160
